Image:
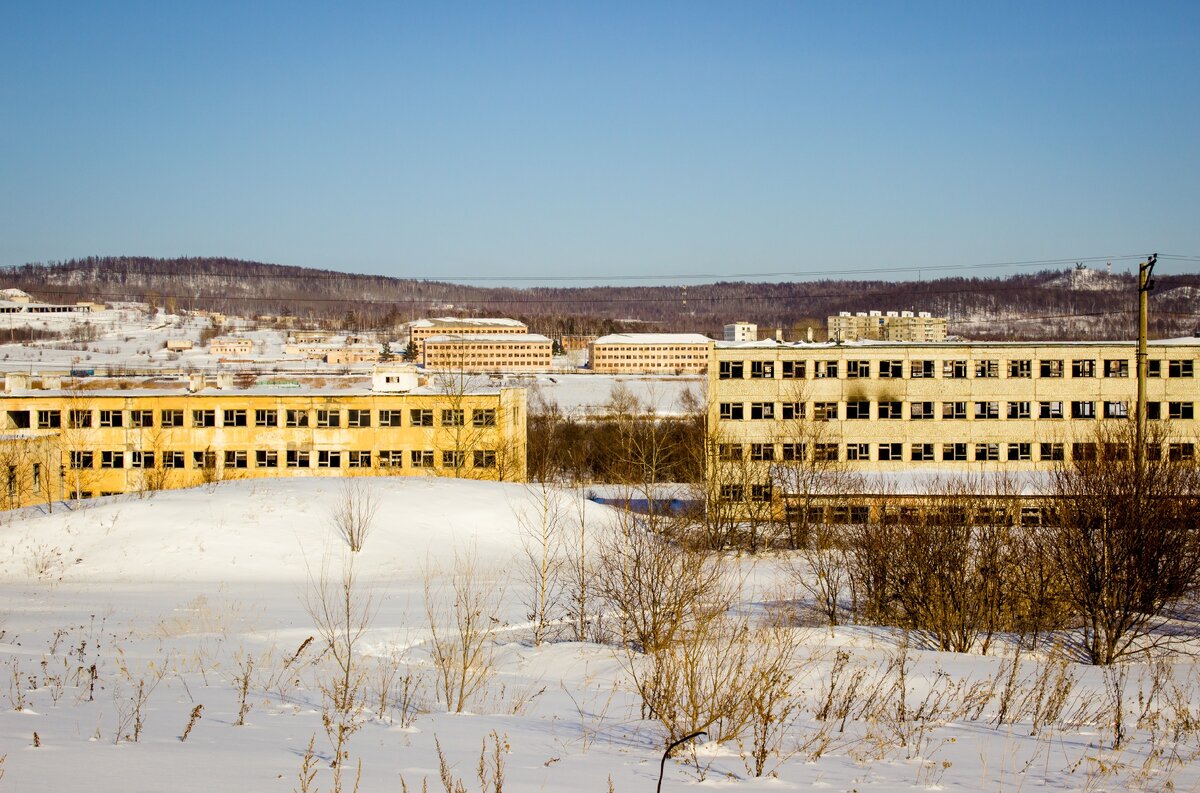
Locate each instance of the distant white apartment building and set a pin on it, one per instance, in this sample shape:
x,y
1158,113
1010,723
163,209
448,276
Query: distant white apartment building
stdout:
x,y
887,326
421,329
741,331
650,353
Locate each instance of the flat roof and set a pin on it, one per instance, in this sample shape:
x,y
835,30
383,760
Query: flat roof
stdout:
x,y
434,322
489,337
1184,341
654,338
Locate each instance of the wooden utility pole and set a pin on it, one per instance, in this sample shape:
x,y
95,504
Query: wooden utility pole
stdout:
x,y
1145,270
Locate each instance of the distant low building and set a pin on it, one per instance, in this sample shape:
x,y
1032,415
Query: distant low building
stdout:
x,y
887,326
179,345
16,301
650,353
309,336
354,353
230,345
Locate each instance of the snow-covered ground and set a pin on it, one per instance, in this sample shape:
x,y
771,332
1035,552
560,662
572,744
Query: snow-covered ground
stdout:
x,y
177,592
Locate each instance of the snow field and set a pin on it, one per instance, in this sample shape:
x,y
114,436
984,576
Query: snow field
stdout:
x,y
181,591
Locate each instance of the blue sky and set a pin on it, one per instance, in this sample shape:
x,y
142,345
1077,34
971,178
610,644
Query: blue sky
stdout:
x,y
544,139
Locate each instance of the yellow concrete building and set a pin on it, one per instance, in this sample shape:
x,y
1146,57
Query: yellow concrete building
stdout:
x,y
117,440
422,329
879,407
30,467
230,345
519,352
650,353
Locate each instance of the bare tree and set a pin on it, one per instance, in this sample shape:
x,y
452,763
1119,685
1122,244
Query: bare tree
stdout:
x,y
354,512
461,627
659,590
342,611
542,548
1127,537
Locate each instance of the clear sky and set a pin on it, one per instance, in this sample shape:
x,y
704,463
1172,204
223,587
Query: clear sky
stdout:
x,y
452,140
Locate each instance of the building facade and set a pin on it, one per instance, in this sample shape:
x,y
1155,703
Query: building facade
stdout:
x,y
887,326
650,353
117,441
478,353
230,345
953,408
422,329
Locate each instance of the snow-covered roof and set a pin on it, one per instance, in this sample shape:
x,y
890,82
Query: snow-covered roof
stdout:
x,y
490,337
654,338
1184,341
459,322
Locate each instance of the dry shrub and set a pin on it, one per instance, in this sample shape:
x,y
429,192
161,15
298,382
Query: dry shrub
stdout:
x,y
661,592
462,623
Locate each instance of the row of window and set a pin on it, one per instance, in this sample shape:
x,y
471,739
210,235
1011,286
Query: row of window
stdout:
x,y
242,417
980,411
270,458
926,452
950,369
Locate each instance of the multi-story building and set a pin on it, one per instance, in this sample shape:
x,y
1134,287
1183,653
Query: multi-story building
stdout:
x,y
518,352
887,326
113,440
421,329
650,353
946,407
741,331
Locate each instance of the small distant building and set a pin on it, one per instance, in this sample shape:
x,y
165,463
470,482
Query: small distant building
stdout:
x,y
17,301
650,353
309,336
230,345
741,331
422,329
518,352
354,353
179,345
15,295
887,326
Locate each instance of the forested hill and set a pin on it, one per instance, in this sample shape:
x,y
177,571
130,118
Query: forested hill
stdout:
x,y
1073,303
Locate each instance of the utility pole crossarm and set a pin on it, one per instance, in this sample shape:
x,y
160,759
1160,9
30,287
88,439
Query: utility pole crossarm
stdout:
x,y
1145,284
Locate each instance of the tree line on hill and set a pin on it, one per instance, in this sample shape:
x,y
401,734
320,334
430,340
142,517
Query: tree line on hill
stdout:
x,y
1022,306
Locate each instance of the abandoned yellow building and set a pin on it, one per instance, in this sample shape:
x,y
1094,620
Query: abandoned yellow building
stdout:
x,y
519,352
150,436
886,407
421,329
